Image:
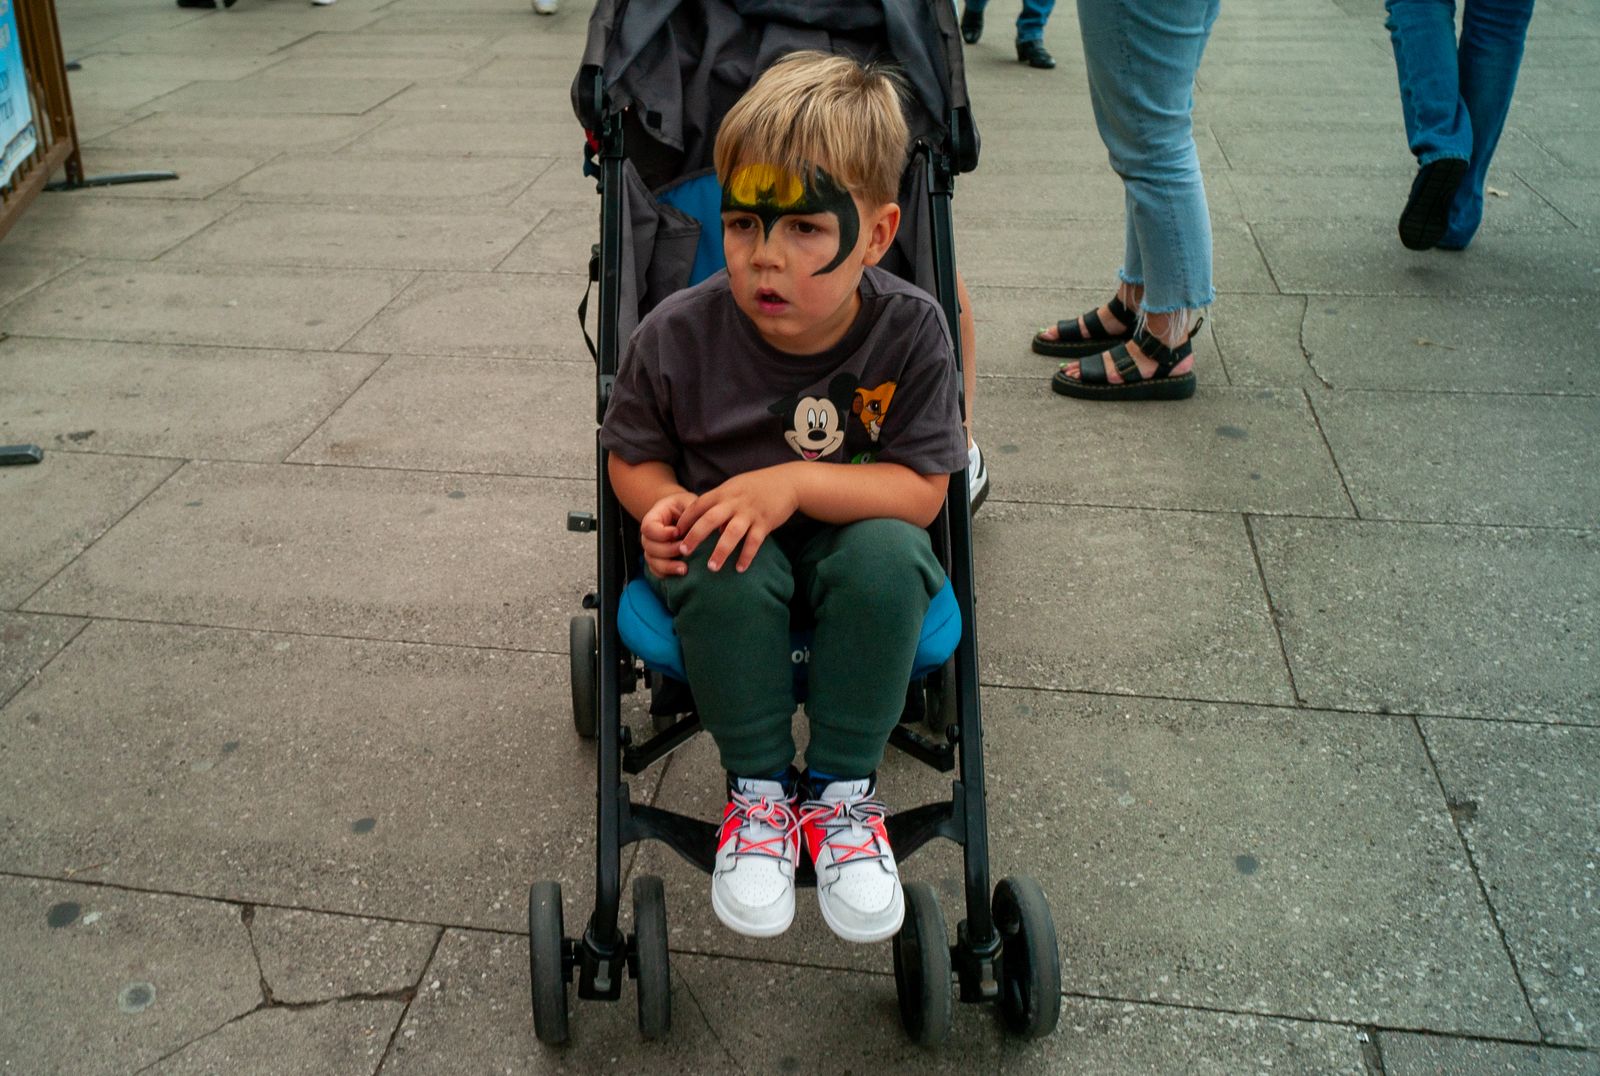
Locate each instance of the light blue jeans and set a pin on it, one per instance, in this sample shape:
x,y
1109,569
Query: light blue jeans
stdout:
x,y
1455,96
1030,24
1142,56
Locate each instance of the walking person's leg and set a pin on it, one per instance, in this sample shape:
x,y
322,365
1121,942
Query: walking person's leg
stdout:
x,y
972,20
1438,126
1030,33
1142,57
1489,56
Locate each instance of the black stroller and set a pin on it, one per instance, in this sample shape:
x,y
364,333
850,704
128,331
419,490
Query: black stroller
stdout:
x,y
657,77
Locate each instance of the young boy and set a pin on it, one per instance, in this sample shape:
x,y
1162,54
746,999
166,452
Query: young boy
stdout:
x,y
785,430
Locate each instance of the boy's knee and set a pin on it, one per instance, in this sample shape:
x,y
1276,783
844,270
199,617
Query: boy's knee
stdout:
x,y
764,576
883,555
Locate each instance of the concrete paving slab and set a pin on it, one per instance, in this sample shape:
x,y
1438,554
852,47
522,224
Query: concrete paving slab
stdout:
x,y
1010,144
1576,145
1525,799
480,1019
1071,190
1378,199
1460,458
380,67
202,36
1093,1036
1349,259
1203,612
270,95
507,71
1354,904
491,315
561,242
563,186
29,644
310,957
1438,1055
410,788
198,176
470,102
22,270
51,511
374,238
1450,344
79,223
110,67
1262,451
1007,318
164,400
1574,197
375,41
230,135
1276,112
344,551
1355,149
1258,340
452,414
342,180
1421,618
410,134
84,28
345,1038
315,309
109,981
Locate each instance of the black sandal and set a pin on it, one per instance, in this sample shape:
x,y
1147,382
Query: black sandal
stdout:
x,y
1071,344
1092,384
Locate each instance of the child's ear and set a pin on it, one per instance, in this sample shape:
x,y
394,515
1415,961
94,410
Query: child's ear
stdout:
x,y
881,225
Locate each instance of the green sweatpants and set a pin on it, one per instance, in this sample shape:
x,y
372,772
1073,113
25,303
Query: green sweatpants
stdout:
x,y
868,585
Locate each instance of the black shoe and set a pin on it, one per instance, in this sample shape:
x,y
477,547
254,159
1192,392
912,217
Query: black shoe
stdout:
x,y
971,26
1034,54
1426,216
198,3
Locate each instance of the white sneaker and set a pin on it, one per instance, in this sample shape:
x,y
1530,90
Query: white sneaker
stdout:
x,y
323,3
858,884
758,848
544,7
977,478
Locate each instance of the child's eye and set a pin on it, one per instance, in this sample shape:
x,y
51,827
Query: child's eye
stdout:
x,y
739,224
805,227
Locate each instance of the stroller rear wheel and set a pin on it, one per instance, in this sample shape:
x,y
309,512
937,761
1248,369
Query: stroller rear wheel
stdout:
x,y
922,967
650,968
1030,964
547,971
583,650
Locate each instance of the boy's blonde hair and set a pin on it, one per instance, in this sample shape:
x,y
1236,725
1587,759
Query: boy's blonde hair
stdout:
x,y
812,110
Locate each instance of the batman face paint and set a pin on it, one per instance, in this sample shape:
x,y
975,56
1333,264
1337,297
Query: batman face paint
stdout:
x,y
770,193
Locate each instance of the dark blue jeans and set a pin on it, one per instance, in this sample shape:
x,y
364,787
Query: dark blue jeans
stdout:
x,y
1030,24
1455,95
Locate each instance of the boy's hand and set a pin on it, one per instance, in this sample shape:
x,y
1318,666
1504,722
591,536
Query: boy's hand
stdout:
x,y
746,508
659,533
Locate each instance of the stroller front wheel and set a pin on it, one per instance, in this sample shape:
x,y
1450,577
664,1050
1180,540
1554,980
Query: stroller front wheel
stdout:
x,y
650,969
547,971
1030,964
922,967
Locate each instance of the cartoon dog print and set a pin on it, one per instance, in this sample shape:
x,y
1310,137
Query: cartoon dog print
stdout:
x,y
871,405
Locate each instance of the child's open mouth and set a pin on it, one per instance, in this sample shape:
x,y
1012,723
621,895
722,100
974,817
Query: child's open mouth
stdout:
x,y
770,302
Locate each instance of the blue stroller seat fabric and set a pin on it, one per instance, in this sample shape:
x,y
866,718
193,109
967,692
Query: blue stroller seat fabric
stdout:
x,y
646,628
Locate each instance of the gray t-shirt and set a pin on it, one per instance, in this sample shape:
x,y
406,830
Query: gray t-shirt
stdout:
x,y
699,389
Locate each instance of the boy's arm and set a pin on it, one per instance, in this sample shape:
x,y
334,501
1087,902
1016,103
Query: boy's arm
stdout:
x,y
750,506
640,486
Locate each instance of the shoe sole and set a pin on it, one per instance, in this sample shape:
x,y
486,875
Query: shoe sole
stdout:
x,y
1426,216
738,926
1161,388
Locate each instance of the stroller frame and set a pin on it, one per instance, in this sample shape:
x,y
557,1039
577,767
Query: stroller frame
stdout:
x,y
1005,949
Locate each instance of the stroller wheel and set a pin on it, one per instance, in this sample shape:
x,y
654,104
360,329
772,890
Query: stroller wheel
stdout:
x,y
583,650
650,969
546,963
922,967
1030,964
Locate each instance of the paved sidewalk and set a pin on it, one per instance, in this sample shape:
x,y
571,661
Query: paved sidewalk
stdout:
x,y
1292,691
